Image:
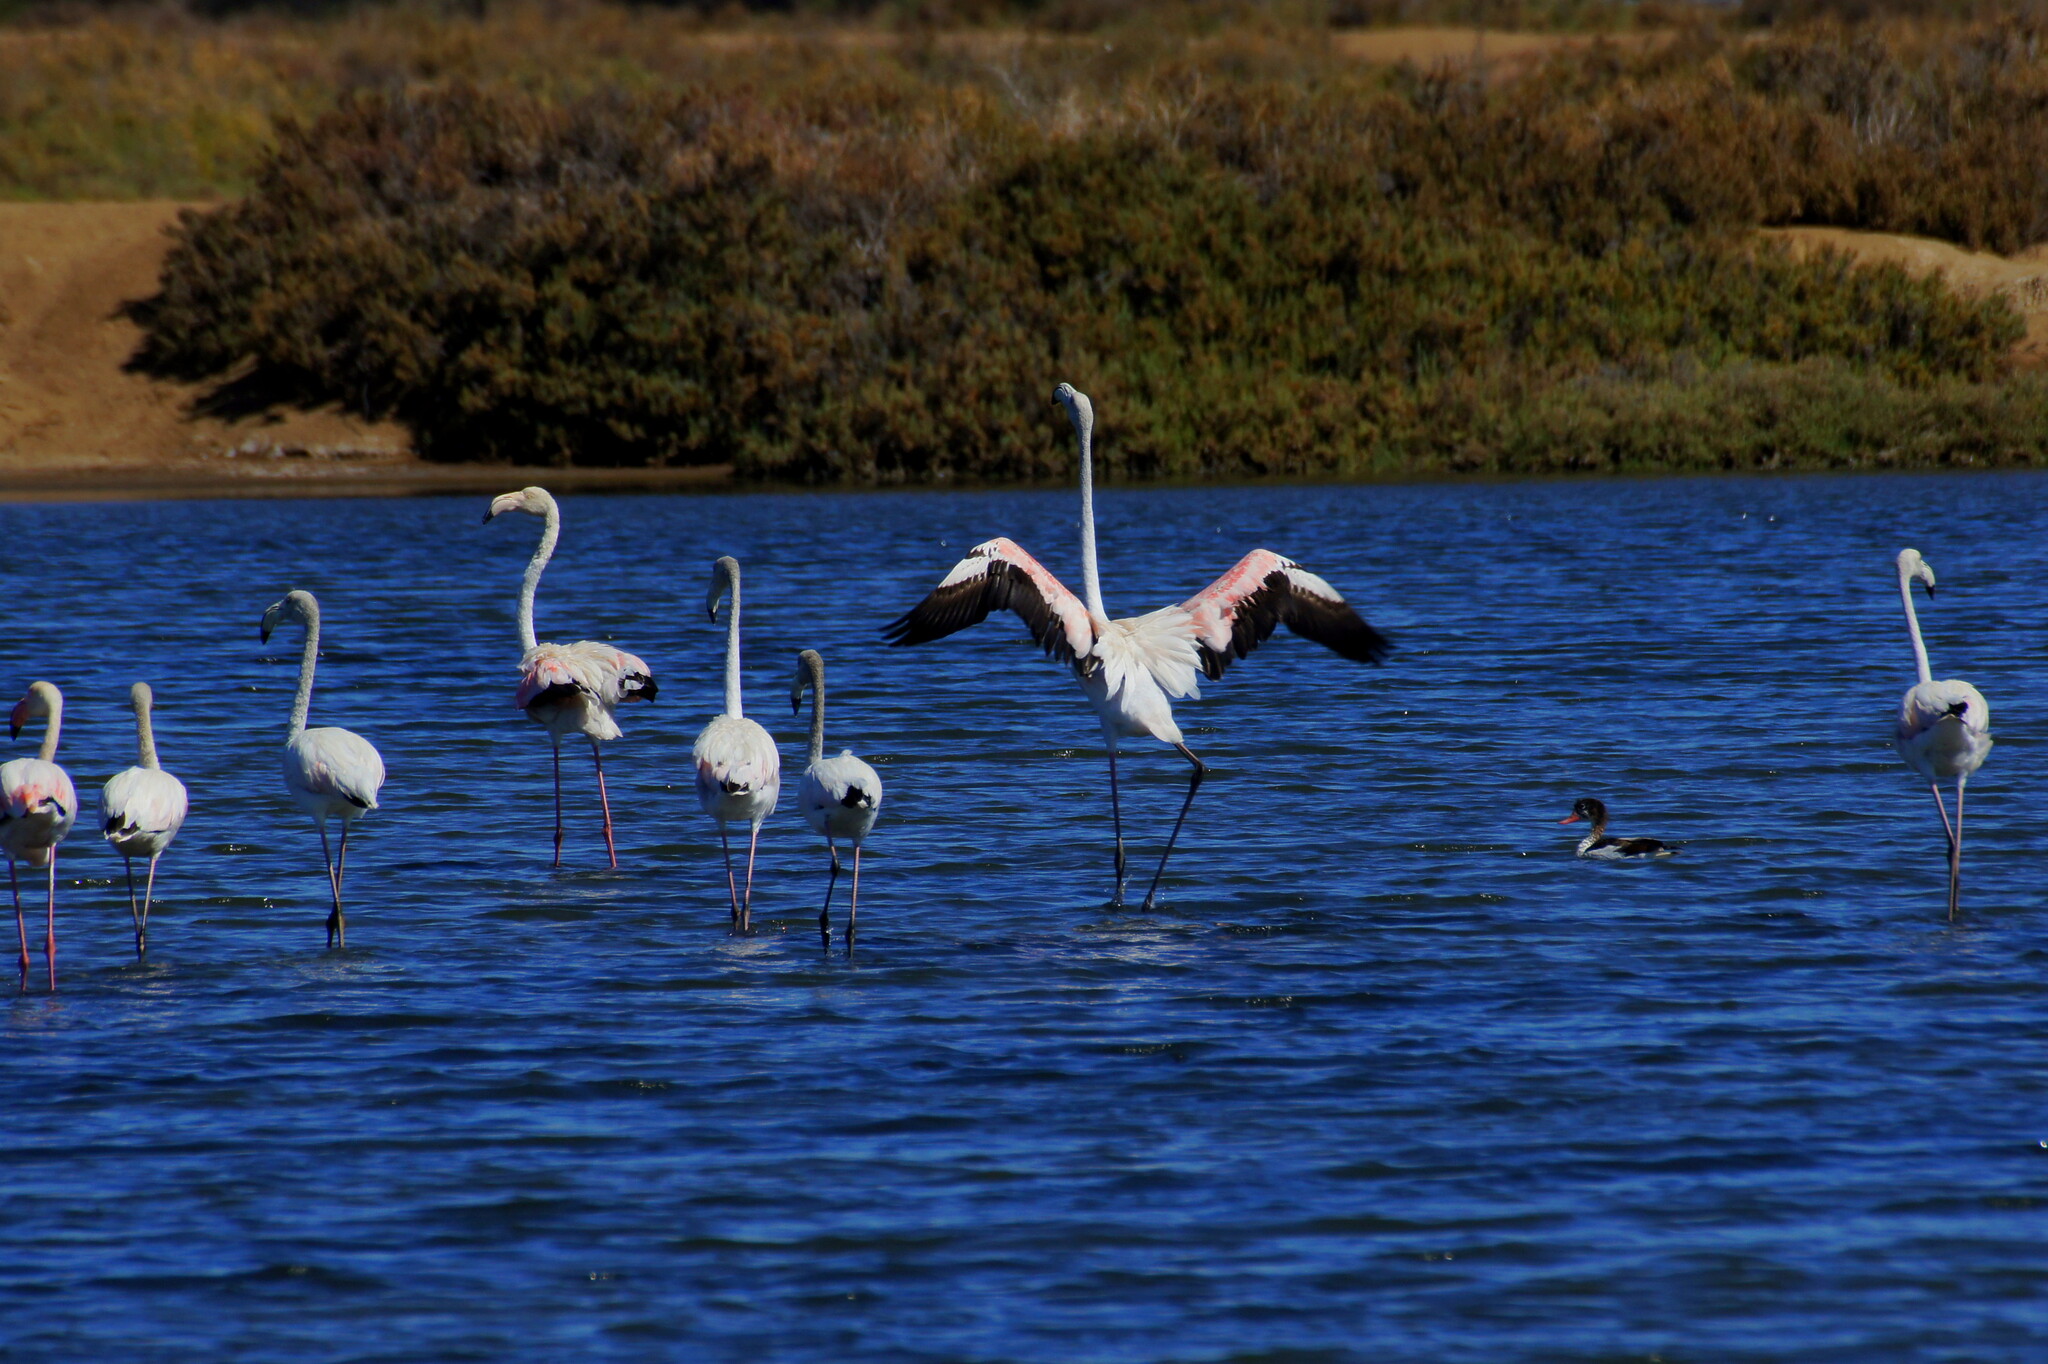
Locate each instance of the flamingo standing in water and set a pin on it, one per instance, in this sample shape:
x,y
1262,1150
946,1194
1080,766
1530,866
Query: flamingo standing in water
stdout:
x,y
141,811
1944,729
739,772
569,688
37,807
839,797
326,771
1132,669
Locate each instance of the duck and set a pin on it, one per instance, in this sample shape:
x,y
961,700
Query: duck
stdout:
x,y
1608,849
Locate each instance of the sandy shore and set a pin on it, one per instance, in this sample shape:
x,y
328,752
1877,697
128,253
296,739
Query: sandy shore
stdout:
x,y
75,424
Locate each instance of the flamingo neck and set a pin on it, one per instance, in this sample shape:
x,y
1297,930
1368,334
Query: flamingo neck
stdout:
x,y
1913,626
816,667
1091,580
304,700
551,531
55,700
145,735
732,652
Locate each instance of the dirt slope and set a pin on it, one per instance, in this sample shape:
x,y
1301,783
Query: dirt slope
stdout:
x,y
2023,279
65,401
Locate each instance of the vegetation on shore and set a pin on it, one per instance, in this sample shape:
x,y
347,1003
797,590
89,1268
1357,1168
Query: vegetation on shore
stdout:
x,y
839,260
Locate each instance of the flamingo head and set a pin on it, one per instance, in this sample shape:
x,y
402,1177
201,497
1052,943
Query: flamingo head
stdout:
x,y
1079,410
42,701
725,575
1912,566
805,663
536,501
295,607
1586,808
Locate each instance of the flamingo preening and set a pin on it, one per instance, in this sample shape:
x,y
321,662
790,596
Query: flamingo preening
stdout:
x,y
1944,729
37,807
739,771
141,811
569,688
839,797
1132,669
327,771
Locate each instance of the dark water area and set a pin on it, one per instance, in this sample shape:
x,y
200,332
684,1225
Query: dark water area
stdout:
x,y
1389,1075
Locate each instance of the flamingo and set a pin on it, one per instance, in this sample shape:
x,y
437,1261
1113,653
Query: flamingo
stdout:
x,y
37,807
141,810
1944,727
739,772
1132,669
840,797
326,771
569,688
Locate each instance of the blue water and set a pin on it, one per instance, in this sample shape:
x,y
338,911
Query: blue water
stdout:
x,y
1391,1075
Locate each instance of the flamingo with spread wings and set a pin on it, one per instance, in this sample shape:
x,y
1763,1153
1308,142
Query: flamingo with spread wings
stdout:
x,y
1133,669
569,688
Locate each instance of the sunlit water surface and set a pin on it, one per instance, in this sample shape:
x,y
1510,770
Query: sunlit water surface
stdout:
x,y
1390,1075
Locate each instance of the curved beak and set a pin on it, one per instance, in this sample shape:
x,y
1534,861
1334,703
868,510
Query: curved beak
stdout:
x,y
263,633
488,514
17,718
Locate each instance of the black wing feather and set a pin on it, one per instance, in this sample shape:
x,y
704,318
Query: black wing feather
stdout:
x,y
1003,587
1332,624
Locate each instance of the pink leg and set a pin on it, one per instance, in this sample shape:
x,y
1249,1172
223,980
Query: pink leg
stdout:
x,y
50,923
148,890
853,909
1955,856
134,910
825,914
1948,831
333,886
606,801
747,904
732,887
557,742
340,873
20,925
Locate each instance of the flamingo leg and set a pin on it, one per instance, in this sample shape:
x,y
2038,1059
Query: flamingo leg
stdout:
x,y
148,891
134,910
1116,822
50,923
556,740
340,874
853,909
1201,770
825,914
747,905
1955,855
20,925
611,849
333,886
1948,831
732,886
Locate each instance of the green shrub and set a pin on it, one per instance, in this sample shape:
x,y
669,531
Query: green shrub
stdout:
x,y
1261,262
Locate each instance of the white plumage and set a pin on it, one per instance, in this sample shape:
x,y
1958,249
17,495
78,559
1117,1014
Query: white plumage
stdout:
x,y
38,806
327,772
739,771
569,688
839,797
141,810
1944,729
1134,669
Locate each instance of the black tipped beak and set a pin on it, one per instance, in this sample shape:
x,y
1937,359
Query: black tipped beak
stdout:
x,y
488,516
1958,708
796,703
263,635
14,731
1930,591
